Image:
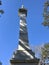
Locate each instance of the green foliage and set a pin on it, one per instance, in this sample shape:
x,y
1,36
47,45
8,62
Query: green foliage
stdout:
x,y
1,11
0,3
45,51
45,23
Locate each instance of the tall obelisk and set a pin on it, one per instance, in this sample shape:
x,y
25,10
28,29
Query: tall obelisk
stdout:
x,y
23,55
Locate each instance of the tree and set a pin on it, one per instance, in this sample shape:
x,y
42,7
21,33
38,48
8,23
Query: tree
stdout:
x,y
1,11
45,52
42,52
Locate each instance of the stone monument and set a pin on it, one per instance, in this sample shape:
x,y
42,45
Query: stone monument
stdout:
x,y
23,55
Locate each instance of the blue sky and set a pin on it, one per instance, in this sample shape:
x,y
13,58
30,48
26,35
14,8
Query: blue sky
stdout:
x,y
9,26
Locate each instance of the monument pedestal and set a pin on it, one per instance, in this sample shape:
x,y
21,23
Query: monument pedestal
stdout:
x,y
24,62
20,58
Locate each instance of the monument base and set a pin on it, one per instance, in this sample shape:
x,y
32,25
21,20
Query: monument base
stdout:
x,y
24,62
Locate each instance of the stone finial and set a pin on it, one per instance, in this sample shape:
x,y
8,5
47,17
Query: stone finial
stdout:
x,y
22,6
